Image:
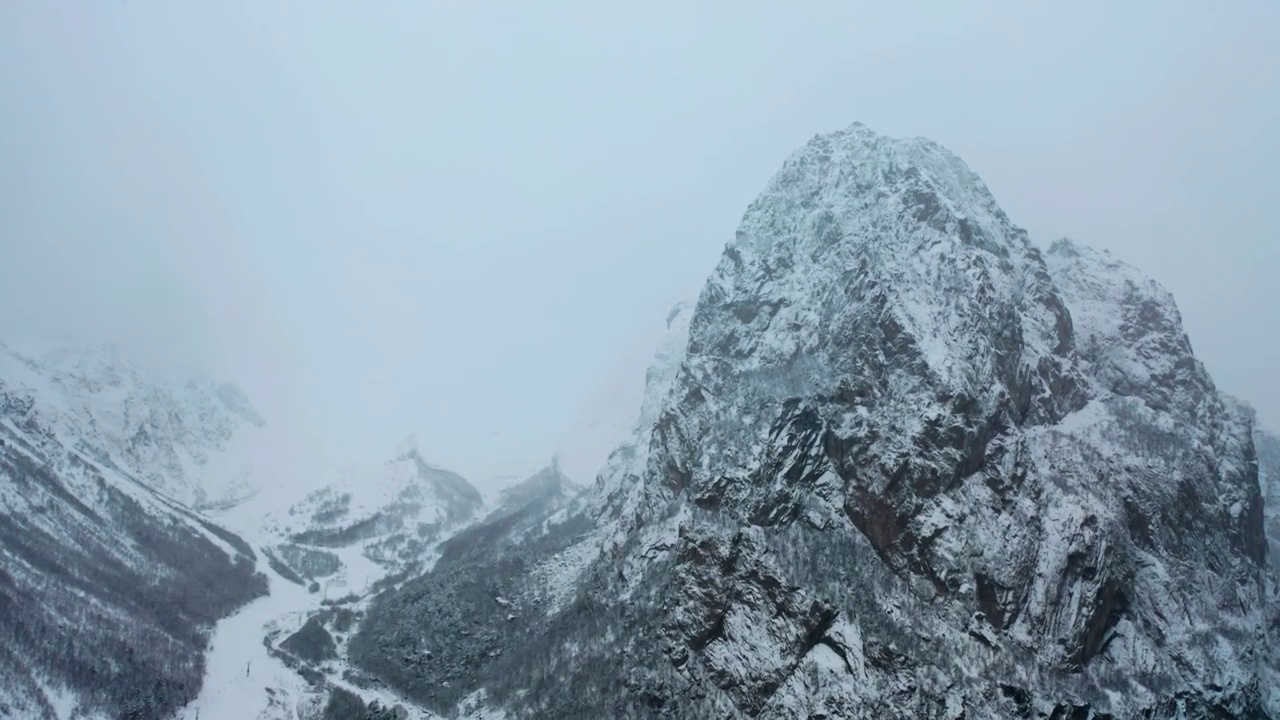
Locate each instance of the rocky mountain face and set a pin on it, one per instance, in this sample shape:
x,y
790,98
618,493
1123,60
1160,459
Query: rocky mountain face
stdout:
x,y
905,465
109,586
1268,446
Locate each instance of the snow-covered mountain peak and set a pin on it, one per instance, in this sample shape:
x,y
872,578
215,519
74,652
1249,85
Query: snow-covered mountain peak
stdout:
x,y
842,174
1100,270
864,239
177,437
905,465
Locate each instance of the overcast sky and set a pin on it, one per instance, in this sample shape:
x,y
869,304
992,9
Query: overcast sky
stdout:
x,y
453,218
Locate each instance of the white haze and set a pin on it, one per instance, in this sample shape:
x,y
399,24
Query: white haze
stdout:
x,y
452,218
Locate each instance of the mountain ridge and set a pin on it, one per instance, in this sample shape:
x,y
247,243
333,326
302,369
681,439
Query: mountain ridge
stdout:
x,y
163,432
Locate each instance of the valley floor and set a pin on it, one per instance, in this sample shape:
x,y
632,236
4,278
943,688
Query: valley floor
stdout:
x,y
244,681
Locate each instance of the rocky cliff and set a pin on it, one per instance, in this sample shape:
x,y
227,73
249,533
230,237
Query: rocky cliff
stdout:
x,y
908,465
1268,446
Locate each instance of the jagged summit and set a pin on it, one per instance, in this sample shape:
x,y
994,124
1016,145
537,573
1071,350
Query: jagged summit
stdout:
x,y
397,510
857,228
1129,332
845,172
409,469
905,465
409,451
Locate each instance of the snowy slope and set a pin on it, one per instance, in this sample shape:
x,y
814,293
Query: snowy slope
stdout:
x,y
100,465
908,466
192,441
327,551
253,670
394,512
108,587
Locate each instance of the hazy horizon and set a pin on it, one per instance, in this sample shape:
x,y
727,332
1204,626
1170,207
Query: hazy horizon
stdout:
x,y
421,219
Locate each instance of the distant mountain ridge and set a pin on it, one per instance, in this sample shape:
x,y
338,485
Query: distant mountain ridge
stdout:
x,y
168,435
397,512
